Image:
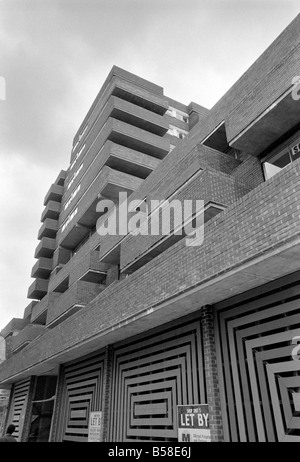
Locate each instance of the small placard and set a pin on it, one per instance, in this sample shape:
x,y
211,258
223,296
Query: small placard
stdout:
x,y
95,426
193,423
295,149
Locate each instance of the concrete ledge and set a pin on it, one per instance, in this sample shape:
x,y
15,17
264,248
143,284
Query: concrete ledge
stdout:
x,y
28,309
39,311
38,289
77,267
54,193
30,332
45,248
14,326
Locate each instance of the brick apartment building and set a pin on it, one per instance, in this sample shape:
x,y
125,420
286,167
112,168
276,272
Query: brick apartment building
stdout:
x,y
134,325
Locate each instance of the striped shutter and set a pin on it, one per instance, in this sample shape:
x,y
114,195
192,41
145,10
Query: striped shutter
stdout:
x,y
18,406
82,393
259,380
151,375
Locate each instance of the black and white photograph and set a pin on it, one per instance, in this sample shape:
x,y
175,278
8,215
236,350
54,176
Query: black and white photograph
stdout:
x,y
150,225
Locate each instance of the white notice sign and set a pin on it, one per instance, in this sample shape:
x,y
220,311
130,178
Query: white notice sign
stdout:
x,y
95,425
193,423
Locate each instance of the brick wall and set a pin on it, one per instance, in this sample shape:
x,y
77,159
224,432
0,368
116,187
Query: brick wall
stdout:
x,y
199,157
79,293
211,373
267,217
208,186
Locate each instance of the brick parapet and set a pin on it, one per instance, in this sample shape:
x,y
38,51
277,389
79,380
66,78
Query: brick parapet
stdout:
x,y
80,293
200,157
268,217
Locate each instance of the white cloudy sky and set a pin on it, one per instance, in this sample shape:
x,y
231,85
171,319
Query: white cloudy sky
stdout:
x,y
55,55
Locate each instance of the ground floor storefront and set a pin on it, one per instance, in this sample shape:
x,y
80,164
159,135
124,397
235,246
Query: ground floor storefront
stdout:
x,y
235,356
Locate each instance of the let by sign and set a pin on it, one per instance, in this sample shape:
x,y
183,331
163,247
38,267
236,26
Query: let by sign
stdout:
x,y
193,423
95,425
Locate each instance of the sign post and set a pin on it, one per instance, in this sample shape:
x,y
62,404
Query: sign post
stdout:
x,y
95,426
193,423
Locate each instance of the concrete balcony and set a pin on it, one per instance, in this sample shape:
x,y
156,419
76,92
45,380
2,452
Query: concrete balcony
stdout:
x,y
122,111
75,298
81,267
29,333
38,289
136,251
266,111
42,268
52,211
48,229
129,88
128,160
268,127
217,193
60,180
140,96
39,311
45,248
55,193
28,309
14,327
126,135
61,256
139,117
136,138
86,268
108,184
115,156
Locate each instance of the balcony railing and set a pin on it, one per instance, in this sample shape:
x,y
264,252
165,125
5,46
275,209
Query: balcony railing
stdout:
x,y
81,267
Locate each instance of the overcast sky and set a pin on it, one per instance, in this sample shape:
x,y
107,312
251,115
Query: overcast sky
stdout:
x,y
54,57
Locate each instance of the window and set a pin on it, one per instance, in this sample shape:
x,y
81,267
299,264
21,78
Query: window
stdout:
x,y
278,161
69,219
180,115
83,132
79,138
77,155
74,176
72,197
178,132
